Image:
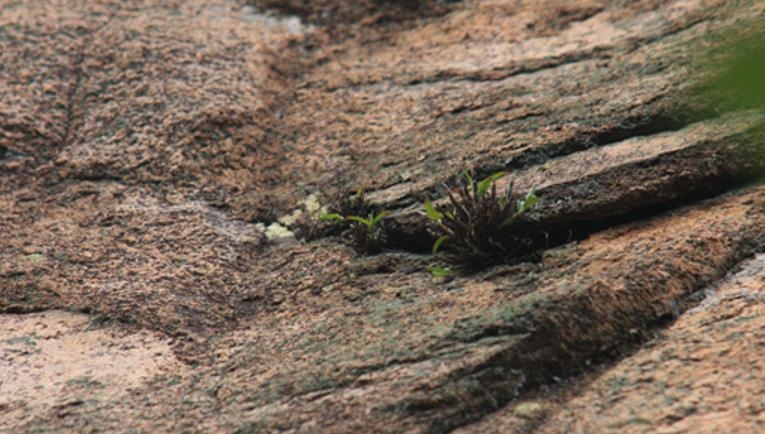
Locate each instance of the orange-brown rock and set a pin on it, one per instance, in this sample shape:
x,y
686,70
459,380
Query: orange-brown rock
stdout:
x,y
157,158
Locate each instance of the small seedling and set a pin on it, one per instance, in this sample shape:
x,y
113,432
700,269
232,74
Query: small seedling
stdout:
x,y
367,234
475,228
442,272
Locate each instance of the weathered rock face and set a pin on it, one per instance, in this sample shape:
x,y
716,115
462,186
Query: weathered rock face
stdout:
x,y
150,150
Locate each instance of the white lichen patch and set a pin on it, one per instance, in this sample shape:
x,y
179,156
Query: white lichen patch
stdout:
x,y
313,206
280,230
275,231
310,206
290,219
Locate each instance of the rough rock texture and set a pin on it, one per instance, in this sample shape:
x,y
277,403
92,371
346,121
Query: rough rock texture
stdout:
x,y
150,151
699,375
50,360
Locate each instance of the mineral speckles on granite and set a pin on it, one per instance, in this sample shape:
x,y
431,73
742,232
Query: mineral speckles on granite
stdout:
x,y
149,149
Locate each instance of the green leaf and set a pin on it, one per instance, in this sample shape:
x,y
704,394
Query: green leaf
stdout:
x,y
434,214
362,220
437,244
331,217
441,272
484,185
528,202
468,178
359,194
378,218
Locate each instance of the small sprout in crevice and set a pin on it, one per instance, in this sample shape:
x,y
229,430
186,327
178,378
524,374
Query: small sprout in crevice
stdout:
x,y
355,204
313,224
476,227
441,271
367,234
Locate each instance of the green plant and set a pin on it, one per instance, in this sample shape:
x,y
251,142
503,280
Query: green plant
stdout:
x,y
367,234
475,228
441,271
353,203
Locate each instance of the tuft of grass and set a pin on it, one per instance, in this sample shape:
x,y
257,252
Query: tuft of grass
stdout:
x,y
475,228
367,234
